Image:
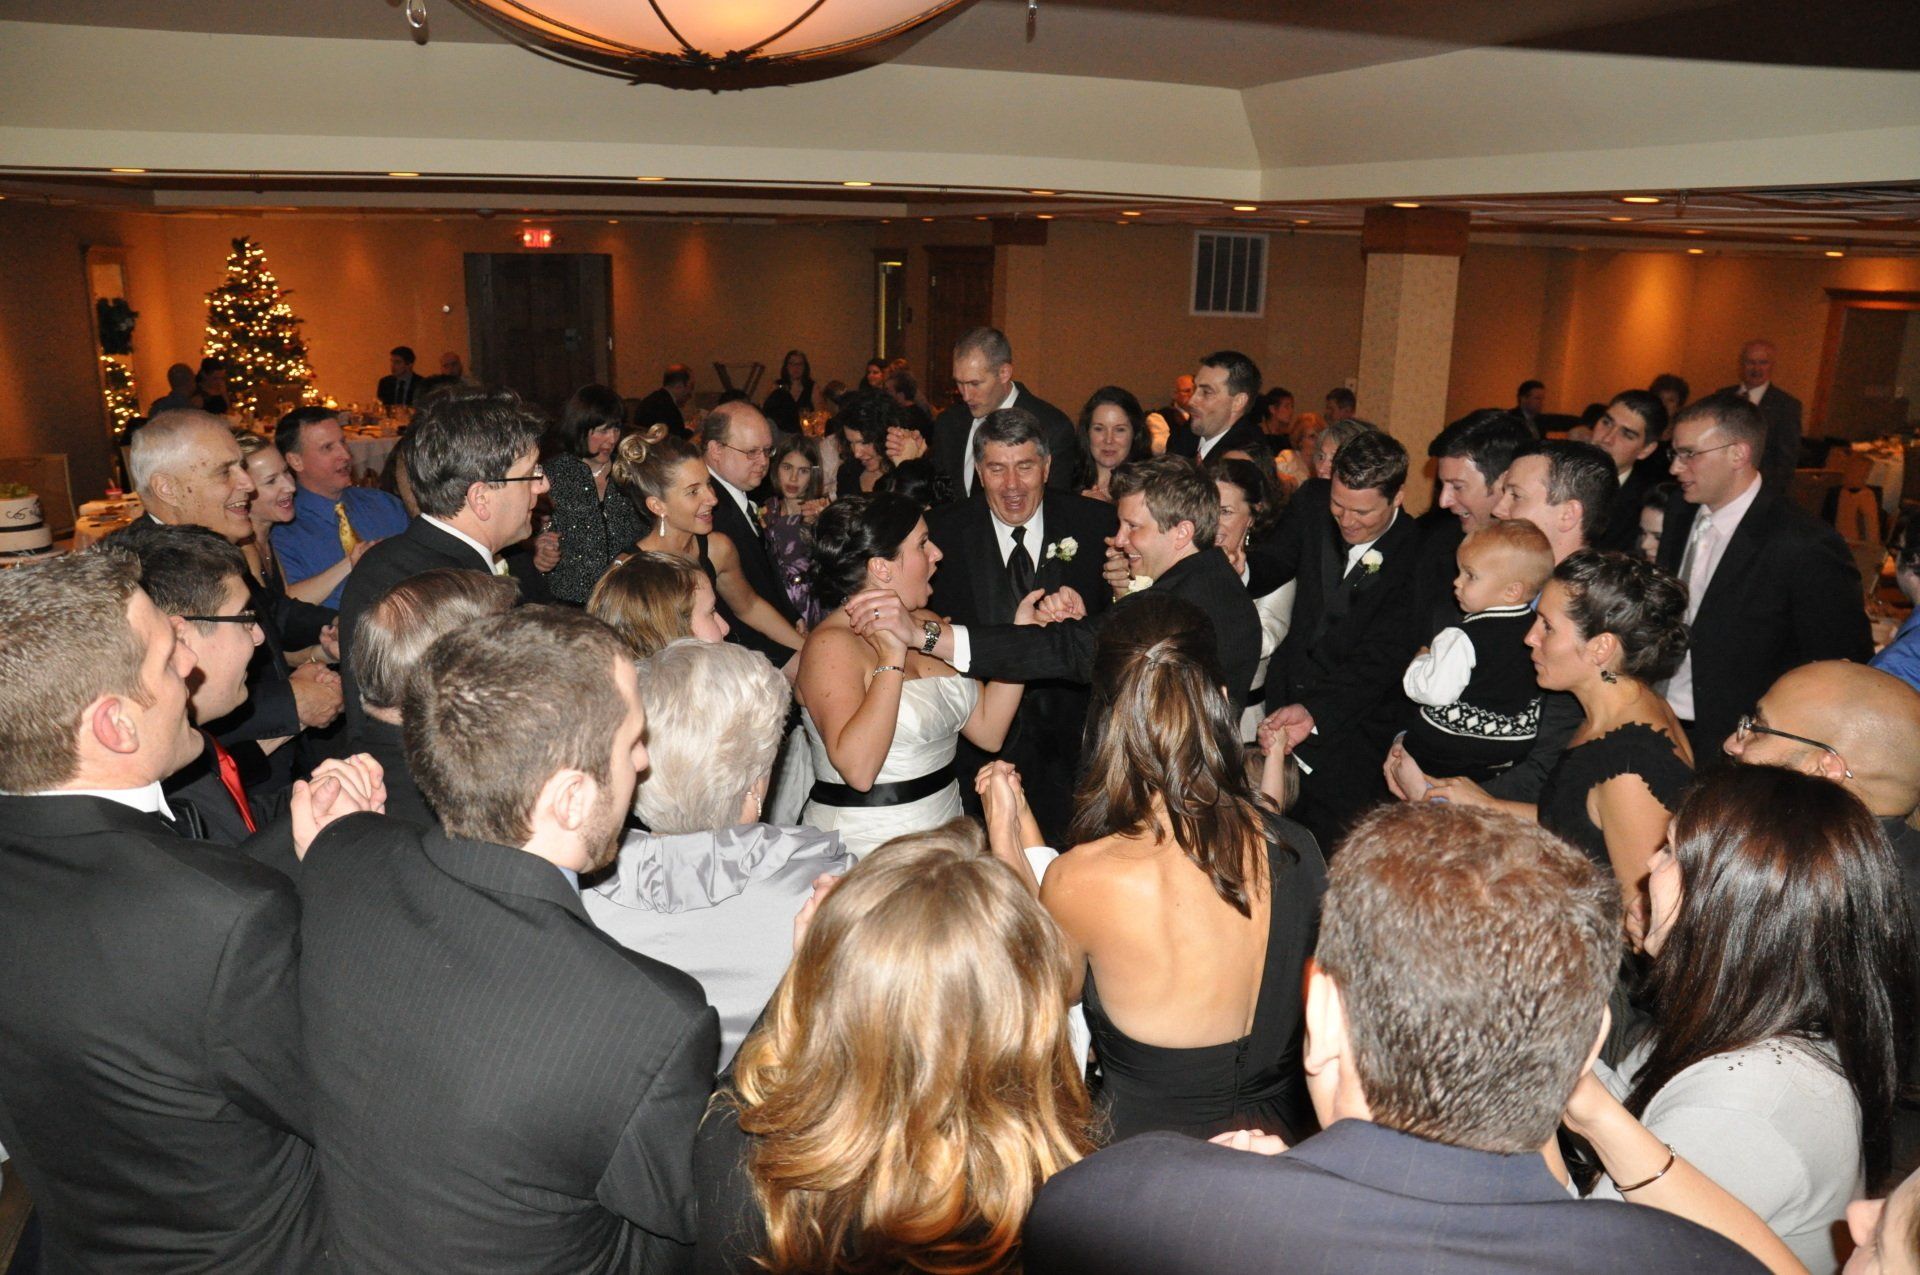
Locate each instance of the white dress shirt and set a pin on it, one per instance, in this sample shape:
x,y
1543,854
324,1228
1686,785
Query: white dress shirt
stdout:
x,y
1755,394
151,799
739,497
1036,537
966,461
1208,444
495,565
1708,540
1359,551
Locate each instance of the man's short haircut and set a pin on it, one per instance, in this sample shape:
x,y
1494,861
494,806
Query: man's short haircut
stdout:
x,y
1342,395
1372,462
1647,406
496,709
1528,387
180,377
166,443
286,433
463,438
1009,426
66,642
1474,954
1490,437
184,569
676,374
1737,418
396,631
404,353
1582,472
716,713
1176,490
903,384
989,343
1243,374
1521,551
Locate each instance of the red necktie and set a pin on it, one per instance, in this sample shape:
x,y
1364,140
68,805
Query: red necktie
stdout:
x,y
230,779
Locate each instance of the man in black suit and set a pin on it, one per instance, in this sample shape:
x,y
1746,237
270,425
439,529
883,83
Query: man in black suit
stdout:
x,y
1225,388
1174,420
1169,514
1469,456
738,448
983,372
473,464
388,644
1459,992
664,406
1769,586
1529,401
1022,537
1629,432
152,1094
498,1085
1334,685
1778,409
400,387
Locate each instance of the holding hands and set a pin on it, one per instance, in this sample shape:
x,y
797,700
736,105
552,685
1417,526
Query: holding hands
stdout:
x,y
338,787
873,611
905,444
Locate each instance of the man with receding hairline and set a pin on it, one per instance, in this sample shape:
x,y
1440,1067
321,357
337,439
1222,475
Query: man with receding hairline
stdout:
x,y
1779,409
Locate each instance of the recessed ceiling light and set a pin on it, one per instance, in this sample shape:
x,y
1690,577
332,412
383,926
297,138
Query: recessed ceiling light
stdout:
x,y
1121,221
926,219
980,217
856,183
649,179
1619,219
1302,221
1695,252
1041,192
126,170
886,221
1403,203
1802,238
1696,232
1246,207
403,174
1043,216
613,221
1835,252
1639,199
1130,213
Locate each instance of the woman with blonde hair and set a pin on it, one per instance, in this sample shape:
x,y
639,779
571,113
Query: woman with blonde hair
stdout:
x,y
911,1084
651,599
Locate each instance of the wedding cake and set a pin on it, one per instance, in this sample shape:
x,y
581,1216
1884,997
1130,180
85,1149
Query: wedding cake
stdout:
x,y
23,532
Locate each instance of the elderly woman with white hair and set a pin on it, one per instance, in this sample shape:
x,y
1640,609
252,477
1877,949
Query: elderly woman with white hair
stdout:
x,y
711,889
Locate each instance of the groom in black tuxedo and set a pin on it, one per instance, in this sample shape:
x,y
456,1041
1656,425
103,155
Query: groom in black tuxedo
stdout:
x,y
1020,538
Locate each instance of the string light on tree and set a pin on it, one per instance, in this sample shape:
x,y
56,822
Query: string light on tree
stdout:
x,y
251,327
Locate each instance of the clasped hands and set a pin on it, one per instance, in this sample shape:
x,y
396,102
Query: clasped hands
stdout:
x,y
338,787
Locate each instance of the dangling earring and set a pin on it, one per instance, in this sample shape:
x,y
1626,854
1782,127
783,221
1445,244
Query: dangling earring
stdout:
x,y
1609,678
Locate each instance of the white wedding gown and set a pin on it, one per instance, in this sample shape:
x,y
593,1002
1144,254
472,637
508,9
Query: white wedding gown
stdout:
x,y
932,711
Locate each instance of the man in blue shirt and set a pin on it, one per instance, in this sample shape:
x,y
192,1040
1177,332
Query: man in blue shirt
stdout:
x,y
330,515
1901,656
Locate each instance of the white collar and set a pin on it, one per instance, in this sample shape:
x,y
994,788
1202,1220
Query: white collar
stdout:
x,y
1035,529
1013,392
1357,552
486,555
151,799
1729,515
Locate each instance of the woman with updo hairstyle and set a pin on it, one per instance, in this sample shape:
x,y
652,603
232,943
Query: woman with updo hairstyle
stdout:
x,y
1783,995
667,481
884,722
1188,902
911,1084
1608,629
651,599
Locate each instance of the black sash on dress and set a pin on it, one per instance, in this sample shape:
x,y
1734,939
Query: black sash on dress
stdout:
x,y
891,794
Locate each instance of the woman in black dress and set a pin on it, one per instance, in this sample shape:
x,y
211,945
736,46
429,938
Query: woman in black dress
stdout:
x,y
1608,628
792,396
595,520
1188,902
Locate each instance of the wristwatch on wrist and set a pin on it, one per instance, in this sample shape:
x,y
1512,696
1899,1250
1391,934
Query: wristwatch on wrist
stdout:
x,y
931,630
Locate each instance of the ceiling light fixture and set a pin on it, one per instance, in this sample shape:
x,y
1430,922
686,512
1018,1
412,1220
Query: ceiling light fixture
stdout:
x,y
701,44
1403,203
1246,207
1695,252
856,183
1639,199
127,170
1302,221
649,179
1041,192
1835,252
403,174
1696,232
1043,216
1801,238
1619,219
1130,213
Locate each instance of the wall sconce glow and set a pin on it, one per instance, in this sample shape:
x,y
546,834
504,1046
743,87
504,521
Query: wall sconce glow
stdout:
x,y
1639,199
536,237
700,43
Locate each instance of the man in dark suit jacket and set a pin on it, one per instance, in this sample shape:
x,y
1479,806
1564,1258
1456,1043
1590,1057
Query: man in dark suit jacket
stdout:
x,y
983,371
984,573
663,406
401,387
1169,515
497,1085
739,447
473,462
1778,409
1334,684
1174,417
1226,387
1770,587
1439,1069
1629,432
152,1093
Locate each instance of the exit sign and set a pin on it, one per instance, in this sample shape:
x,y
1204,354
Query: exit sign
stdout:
x,y
536,237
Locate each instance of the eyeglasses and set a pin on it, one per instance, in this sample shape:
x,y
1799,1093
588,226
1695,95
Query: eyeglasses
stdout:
x,y
1687,455
764,453
243,617
538,475
1747,728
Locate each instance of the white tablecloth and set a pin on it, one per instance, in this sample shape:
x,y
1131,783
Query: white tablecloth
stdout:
x,y
370,454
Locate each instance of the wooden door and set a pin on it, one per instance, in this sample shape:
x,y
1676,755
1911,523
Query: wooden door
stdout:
x,y
959,298
541,322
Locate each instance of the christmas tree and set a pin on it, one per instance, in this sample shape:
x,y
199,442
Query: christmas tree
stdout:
x,y
250,325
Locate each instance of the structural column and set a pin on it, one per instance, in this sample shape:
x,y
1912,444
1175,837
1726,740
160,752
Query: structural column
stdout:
x,y
1406,327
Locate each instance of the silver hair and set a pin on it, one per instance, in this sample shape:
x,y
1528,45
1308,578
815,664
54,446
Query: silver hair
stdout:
x,y
165,443
1010,427
715,714
989,343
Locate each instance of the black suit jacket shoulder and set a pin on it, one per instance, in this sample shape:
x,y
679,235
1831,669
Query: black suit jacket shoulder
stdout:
x,y
1383,1202
1243,435
952,427
498,1086
971,585
152,1091
757,566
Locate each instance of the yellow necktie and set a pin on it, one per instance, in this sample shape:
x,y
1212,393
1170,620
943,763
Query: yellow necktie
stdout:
x,y
348,541
500,567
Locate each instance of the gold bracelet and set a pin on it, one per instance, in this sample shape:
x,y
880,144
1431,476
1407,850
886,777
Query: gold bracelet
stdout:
x,y
1672,1155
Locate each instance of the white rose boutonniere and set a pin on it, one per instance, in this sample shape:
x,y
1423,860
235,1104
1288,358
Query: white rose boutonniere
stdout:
x,y
1064,548
1370,561
1138,583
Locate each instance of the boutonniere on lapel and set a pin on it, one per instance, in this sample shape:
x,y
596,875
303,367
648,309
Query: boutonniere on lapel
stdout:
x,y
757,516
1371,560
1063,549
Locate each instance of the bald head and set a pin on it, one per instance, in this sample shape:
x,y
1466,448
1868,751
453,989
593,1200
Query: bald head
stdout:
x,y
1869,718
1756,363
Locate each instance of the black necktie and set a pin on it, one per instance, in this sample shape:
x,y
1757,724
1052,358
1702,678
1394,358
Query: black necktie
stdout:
x,y
1020,565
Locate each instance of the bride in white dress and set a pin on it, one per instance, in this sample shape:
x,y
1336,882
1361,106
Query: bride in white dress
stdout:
x,y
884,722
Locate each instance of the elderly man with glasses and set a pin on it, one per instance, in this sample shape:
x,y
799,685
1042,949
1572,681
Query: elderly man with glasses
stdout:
x,y
1770,587
738,448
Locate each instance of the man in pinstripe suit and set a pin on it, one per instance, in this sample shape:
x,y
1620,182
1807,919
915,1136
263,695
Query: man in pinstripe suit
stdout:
x,y
497,1085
